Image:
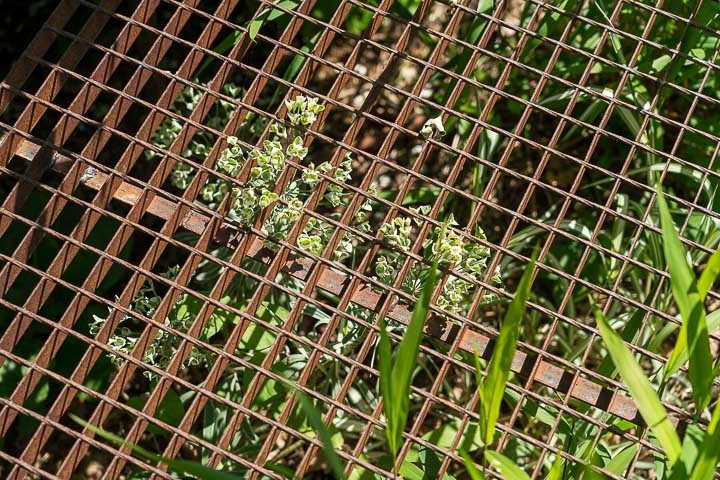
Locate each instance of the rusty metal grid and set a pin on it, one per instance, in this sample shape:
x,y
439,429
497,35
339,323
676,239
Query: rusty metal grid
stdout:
x,y
89,217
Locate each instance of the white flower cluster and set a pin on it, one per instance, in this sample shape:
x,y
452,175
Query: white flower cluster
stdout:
x,y
446,246
164,345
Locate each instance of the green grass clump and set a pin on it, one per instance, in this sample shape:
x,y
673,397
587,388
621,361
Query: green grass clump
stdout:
x,y
684,460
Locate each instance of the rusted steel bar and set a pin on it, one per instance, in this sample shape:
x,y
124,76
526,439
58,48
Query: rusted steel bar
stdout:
x,y
335,283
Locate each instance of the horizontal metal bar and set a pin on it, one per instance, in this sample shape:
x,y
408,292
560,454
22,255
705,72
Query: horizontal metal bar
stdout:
x,y
335,283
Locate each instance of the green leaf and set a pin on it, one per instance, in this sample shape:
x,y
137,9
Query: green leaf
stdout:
x,y
621,459
507,468
406,358
713,323
607,367
269,15
660,63
179,466
472,470
693,332
641,390
706,464
315,420
706,15
709,275
410,471
386,387
493,388
556,471
693,438
395,380
485,6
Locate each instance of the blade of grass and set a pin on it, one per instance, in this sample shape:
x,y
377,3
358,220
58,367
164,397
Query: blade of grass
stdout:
x,y
386,390
706,465
505,466
269,15
607,367
713,323
472,470
315,420
641,390
709,275
621,460
179,466
395,380
492,389
692,439
693,332
556,471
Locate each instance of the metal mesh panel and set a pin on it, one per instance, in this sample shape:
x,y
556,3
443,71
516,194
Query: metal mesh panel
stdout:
x,y
132,296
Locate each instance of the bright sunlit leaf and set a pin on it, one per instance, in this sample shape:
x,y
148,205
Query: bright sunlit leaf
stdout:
x,y
507,468
693,332
396,376
492,389
641,390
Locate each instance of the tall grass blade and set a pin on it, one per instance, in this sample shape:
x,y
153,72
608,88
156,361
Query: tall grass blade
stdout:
x,y
269,15
178,466
709,275
641,390
507,468
315,420
386,388
693,332
607,367
472,470
621,460
556,471
706,465
395,380
493,388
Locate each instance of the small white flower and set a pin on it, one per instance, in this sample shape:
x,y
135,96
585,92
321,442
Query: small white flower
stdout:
x,y
433,128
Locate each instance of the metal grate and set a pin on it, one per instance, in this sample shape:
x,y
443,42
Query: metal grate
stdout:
x,y
131,295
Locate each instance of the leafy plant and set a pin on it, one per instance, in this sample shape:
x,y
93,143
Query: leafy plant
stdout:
x,y
693,334
258,203
396,371
492,389
682,461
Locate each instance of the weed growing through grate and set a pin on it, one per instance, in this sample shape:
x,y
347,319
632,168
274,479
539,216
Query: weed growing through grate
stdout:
x,y
165,344
259,203
285,208
199,146
446,247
